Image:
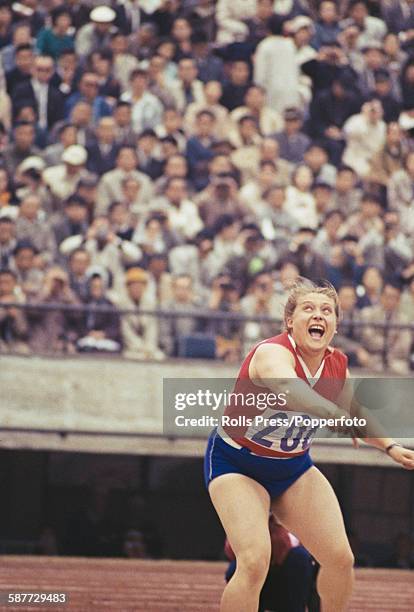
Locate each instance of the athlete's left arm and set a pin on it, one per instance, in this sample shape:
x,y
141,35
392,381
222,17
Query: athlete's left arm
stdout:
x,y
372,433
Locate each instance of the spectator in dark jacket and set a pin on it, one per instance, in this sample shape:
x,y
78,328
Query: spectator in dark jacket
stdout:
x,y
103,152
100,331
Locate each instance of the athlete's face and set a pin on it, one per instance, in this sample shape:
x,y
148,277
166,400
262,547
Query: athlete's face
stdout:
x,y
313,322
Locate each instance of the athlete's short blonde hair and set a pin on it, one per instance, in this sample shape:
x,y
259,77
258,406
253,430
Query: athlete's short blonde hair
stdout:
x,y
302,287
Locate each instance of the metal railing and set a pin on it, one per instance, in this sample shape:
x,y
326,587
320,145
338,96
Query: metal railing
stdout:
x,y
207,316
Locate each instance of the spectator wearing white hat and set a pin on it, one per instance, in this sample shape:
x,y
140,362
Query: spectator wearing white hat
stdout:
x,y
96,34
63,179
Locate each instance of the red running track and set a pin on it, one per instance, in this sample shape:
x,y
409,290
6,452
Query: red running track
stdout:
x,y
167,586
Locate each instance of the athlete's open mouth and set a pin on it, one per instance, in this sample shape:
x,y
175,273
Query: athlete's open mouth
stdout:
x,y
316,331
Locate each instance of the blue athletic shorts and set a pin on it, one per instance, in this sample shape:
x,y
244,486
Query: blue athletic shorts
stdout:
x,y
275,475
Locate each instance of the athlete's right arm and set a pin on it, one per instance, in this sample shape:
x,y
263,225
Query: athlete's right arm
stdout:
x,y
273,367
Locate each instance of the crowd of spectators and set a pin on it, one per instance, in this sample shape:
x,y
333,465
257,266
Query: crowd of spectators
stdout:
x,y
183,154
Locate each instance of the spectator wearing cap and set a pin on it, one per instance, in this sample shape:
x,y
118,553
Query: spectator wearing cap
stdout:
x,y
385,93
282,86
302,29
187,88
99,331
54,331
110,184
63,179
13,322
212,91
390,158
326,27
230,17
97,33
46,99
21,147
268,120
25,265
8,240
292,141
146,109
72,220
53,40
390,349
102,154
401,193
31,225
140,333
365,135
372,29
88,92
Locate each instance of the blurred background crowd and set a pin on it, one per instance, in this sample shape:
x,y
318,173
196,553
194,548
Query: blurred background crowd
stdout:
x,y
198,157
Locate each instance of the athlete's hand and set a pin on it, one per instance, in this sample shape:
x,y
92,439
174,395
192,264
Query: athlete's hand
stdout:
x,y
403,456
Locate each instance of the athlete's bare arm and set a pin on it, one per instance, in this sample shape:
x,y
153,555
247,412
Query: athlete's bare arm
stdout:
x,y
273,367
373,433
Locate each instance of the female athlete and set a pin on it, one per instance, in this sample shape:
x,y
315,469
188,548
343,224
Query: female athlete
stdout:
x,y
250,469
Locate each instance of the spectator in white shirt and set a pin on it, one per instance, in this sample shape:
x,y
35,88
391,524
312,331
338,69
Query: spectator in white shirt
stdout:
x,y
146,111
